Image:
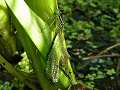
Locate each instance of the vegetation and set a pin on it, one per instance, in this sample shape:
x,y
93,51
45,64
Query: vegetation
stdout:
x,y
42,39
92,32
33,54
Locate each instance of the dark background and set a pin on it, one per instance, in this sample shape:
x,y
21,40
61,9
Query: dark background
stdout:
x,y
90,27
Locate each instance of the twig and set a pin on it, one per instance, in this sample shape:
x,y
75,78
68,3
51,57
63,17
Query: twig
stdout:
x,y
100,56
109,48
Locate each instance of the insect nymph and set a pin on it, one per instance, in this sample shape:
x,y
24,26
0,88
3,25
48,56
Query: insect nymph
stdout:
x,y
54,57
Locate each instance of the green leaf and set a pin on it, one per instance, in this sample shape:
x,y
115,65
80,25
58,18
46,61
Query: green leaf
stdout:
x,y
38,38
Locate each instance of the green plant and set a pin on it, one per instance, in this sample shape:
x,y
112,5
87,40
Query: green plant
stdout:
x,y
39,29
91,27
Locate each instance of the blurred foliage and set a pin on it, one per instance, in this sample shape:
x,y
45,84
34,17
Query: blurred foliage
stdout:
x,y
13,85
24,65
90,27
